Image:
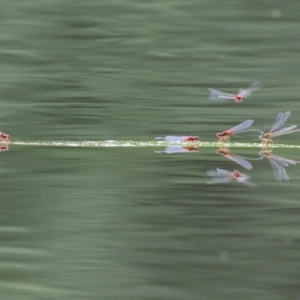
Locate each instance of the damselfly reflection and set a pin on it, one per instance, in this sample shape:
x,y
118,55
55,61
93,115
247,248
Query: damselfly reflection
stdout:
x,y
222,176
4,148
242,161
279,121
278,163
176,139
172,149
242,94
224,136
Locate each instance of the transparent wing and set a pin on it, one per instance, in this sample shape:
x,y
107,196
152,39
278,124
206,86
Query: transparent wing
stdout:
x,y
177,149
172,138
280,119
238,159
248,91
283,161
291,161
250,184
279,170
219,173
244,125
219,180
245,93
256,85
279,160
285,130
218,95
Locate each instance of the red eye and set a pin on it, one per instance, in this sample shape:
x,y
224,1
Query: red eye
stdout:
x,y
237,174
4,136
239,98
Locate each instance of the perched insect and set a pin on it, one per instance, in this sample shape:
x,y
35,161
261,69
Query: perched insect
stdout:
x,y
279,121
221,176
4,137
238,159
278,163
176,139
242,94
179,149
225,135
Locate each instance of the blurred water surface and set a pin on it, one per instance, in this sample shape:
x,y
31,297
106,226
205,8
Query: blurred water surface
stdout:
x,y
128,223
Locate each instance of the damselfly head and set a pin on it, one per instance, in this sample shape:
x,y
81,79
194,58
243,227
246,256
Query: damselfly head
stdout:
x,y
238,98
4,136
237,174
192,138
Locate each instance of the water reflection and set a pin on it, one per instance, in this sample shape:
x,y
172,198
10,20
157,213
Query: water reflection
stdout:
x,y
171,149
178,138
242,161
278,163
3,147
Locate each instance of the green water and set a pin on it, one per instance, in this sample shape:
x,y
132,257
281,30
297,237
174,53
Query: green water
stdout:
x,y
98,221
